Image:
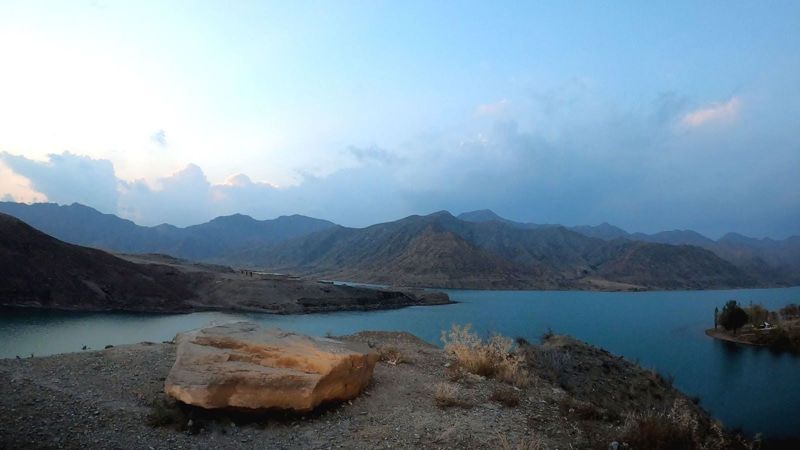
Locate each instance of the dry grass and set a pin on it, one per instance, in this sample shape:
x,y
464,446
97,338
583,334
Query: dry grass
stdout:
x,y
580,410
493,358
448,395
505,396
393,356
554,364
523,444
676,429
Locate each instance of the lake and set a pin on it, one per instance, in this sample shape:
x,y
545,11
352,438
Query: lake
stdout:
x,y
745,387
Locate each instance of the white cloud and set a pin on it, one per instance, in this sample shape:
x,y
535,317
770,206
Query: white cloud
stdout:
x,y
67,178
493,109
14,187
718,112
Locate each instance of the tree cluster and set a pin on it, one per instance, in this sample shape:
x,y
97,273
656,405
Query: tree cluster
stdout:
x,y
733,316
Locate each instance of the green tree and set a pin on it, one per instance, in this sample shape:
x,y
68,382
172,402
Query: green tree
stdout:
x,y
733,316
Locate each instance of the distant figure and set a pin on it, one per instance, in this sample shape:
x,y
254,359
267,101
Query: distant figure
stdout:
x,y
18,357
31,355
84,347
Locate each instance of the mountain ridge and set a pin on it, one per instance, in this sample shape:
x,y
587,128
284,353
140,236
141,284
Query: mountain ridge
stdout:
x,y
83,225
773,261
493,255
560,257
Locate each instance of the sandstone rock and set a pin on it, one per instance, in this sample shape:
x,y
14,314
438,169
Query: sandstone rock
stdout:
x,y
243,366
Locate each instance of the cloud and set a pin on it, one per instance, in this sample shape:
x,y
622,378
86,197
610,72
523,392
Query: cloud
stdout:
x,y
67,177
160,138
626,168
717,112
15,187
373,153
492,109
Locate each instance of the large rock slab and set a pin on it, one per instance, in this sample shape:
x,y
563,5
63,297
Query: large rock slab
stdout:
x,y
242,366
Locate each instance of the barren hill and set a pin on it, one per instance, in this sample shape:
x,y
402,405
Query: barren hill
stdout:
x,y
440,250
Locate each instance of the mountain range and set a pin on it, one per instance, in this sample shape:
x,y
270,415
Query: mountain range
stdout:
x,y
770,260
477,249
82,225
40,271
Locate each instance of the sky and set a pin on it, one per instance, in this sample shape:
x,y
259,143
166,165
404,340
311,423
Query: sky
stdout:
x,y
648,115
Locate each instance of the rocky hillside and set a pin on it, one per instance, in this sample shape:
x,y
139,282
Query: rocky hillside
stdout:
x,y
39,271
440,250
578,396
770,261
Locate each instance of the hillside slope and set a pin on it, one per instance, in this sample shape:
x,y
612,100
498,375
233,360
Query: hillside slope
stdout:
x,y
770,261
440,250
38,270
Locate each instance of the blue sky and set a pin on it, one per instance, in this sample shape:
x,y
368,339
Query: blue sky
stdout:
x,y
650,116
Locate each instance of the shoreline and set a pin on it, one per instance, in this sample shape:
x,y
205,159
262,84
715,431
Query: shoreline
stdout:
x,y
234,310
723,336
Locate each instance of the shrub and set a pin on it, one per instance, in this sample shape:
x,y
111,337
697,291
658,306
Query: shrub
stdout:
x,y
547,335
757,314
164,413
790,311
505,396
579,409
447,395
676,429
392,355
493,358
554,362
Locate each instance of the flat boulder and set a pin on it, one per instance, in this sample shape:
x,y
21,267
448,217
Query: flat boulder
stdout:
x,y
243,366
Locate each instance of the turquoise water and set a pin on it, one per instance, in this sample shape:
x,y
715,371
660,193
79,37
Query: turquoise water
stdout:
x,y
745,387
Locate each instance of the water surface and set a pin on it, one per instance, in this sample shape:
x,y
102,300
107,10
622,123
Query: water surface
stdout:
x,y
745,387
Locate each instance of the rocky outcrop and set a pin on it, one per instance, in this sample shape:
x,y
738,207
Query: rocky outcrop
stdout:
x,y
242,366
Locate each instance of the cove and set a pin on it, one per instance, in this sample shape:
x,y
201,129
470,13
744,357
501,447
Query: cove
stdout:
x,y
745,387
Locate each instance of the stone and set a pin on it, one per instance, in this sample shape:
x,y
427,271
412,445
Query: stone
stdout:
x,y
242,366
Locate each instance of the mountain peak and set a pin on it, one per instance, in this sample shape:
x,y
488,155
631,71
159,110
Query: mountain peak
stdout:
x,y
480,215
442,213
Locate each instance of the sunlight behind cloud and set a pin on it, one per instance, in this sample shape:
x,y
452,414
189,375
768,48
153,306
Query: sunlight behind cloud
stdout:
x,y
717,112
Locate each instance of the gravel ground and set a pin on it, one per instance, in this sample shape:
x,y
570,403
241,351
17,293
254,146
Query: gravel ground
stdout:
x,y
103,399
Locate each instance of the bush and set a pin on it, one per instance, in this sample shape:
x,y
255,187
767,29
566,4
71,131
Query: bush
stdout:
x,y
553,363
447,395
493,358
790,311
580,410
757,314
392,355
165,412
505,396
658,431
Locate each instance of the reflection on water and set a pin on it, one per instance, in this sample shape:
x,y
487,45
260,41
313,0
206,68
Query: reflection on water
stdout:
x,y
753,388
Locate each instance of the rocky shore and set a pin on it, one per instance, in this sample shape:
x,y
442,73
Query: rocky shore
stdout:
x,y
576,396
